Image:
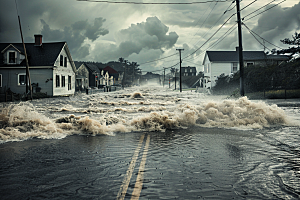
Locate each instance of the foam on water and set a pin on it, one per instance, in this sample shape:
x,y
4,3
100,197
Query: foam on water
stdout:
x,y
136,111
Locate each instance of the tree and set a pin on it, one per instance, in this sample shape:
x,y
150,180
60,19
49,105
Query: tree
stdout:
x,y
121,60
201,74
295,42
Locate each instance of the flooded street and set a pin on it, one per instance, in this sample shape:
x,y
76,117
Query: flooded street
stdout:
x,y
150,143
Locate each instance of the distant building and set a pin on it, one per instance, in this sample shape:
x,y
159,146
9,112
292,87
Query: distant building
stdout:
x,y
112,72
52,70
188,71
150,77
227,62
89,72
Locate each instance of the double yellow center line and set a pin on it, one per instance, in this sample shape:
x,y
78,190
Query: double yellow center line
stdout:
x,y
140,177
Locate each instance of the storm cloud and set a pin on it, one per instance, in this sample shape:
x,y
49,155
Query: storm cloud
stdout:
x,y
105,32
278,23
141,37
75,35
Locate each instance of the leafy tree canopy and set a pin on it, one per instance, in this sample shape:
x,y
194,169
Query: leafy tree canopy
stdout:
x,y
295,42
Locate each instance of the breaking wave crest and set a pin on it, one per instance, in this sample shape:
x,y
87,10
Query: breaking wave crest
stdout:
x,y
22,121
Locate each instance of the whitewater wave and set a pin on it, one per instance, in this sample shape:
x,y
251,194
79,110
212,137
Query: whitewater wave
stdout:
x,y
22,121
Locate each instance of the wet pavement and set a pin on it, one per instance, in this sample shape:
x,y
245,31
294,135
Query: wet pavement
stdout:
x,y
150,143
193,163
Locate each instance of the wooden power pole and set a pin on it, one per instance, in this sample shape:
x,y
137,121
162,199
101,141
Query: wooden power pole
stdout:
x,y
242,90
27,79
180,61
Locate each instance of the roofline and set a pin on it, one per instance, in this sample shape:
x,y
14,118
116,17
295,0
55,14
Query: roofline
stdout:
x,y
9,46
70,57
30,67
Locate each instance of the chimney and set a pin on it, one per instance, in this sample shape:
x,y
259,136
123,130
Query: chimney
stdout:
x,y
38,40
237,49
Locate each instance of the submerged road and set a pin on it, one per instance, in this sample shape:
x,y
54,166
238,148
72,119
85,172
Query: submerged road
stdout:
x,y
194,163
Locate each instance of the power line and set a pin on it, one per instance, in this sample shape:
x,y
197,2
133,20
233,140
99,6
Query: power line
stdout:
x,y
251,31
228,32
211,36
256,38
219,29
162,69
262,11
214,24
158,59
248,5
158,3
259,8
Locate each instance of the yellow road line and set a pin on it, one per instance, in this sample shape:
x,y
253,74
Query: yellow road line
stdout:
x,y
140,178
124,186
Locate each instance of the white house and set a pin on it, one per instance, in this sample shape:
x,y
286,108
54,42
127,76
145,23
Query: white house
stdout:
x,y
227,62
52,70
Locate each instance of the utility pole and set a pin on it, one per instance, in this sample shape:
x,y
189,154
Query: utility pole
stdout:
x,y
123,79
175,81
27,77
164,77
180,61
242,90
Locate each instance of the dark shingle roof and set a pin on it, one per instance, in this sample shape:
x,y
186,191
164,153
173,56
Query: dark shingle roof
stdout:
x,y
110,70
278,57
44,55
78,64
92,67
233,56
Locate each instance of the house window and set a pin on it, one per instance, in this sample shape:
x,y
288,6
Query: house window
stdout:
x,y
69,83
250,64
21,79
57,81
191,70
63,81
11,57
208,68
61,60
234,67
186,70
65,63
0,80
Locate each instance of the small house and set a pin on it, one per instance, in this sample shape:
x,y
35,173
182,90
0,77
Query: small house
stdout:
x,y
227,62
51,68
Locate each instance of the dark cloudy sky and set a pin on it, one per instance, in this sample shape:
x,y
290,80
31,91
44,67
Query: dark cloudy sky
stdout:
x,y
140,33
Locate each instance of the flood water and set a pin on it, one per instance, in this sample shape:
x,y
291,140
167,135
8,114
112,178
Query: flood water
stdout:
x,y
176,145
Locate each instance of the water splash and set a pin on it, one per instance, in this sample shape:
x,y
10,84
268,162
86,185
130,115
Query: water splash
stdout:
x,y
124,112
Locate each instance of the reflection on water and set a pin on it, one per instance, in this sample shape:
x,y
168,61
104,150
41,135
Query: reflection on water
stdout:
x,y
184,164
134,109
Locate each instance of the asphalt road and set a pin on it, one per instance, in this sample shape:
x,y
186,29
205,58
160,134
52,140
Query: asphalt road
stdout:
x,y
194,163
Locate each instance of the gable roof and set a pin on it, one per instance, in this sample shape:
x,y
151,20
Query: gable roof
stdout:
x,y
110,70
233,56
278,57
44,55
10,45
119,67
78,64
92,68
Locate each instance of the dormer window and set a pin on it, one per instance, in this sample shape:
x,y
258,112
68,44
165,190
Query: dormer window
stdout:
x,y
12,57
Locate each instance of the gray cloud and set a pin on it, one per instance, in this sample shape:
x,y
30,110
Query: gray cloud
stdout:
x,y
197,16
145,36
278,23
134,32
152,34
75,35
